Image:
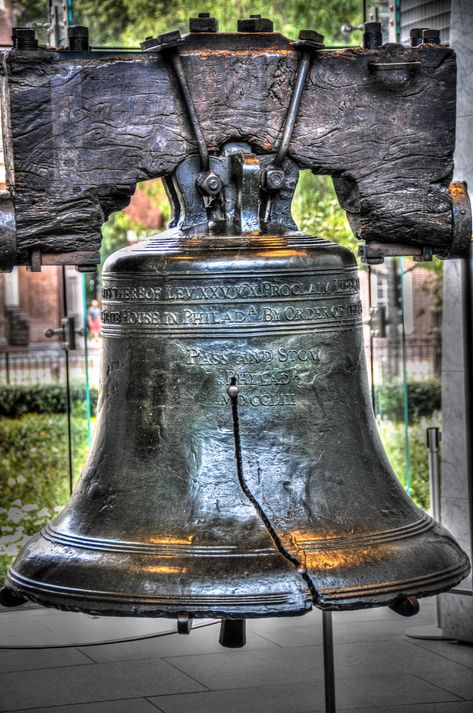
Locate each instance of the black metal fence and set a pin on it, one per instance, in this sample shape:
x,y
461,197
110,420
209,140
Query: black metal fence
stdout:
x,y
423,359
47,366
44,366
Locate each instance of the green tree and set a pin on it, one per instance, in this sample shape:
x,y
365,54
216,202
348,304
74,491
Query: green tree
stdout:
x,y
130,21
149,17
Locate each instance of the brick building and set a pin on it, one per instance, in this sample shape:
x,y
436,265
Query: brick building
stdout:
x,y
412,307
9,11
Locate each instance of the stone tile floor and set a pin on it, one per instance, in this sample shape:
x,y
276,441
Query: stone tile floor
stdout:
x,y
378,669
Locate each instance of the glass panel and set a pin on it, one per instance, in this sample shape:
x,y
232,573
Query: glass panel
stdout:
x,y
33,433
45,399
81,370
407,365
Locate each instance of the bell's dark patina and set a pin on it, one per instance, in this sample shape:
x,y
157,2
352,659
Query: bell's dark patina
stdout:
x,y
236,469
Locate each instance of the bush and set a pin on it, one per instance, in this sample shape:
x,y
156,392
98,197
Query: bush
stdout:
x,y
34,475
392,435
40,398
424,399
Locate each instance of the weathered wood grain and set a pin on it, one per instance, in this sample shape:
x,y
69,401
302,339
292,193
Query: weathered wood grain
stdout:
x,y
86,128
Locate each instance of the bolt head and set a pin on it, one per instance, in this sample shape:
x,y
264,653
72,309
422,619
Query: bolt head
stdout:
x,y
203,23
416,36
209,184
166,41
311,35
431,37
372,35
77,31
255,23
273,179
24,38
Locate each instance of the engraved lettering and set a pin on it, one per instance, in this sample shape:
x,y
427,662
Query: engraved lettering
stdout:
x,y
258,289
110,317
311,355
268,400
263,378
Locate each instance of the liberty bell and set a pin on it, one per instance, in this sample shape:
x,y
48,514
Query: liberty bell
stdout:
x,y
236,469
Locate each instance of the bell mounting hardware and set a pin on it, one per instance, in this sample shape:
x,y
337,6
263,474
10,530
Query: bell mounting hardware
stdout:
x,y
82,127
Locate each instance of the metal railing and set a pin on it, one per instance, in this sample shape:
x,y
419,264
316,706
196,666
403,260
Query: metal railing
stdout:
x,y
423,359
45,366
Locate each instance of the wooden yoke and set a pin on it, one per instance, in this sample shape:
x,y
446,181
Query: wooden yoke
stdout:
x,y
80,129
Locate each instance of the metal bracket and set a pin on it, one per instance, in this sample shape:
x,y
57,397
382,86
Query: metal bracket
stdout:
x,y
373,253
239,203
168,44
377,321
461,214
67,331
393,66
273,177
246,168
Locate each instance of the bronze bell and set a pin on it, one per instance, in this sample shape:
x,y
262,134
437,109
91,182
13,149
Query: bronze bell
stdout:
x,y
236,469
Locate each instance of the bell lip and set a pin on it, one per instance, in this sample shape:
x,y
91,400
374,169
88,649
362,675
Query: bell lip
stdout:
x,y
349,599
342,599
90,602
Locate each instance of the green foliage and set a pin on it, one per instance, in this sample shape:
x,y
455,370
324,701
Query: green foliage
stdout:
x,y
106,19
34,475
392,435
424,398
129,21
114,233
141,18
40,398
316,210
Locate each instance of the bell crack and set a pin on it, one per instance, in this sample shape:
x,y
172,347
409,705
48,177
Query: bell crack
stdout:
x,y
300,567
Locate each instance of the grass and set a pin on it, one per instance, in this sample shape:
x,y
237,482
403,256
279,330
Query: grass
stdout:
x,y
34,474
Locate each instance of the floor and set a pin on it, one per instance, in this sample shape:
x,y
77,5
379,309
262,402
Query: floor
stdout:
x,y
379,669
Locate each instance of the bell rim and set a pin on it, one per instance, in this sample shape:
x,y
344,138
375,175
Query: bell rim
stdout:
x,y
224,606
366,596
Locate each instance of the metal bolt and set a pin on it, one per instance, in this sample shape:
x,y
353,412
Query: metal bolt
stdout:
x,y
209,184
311,37
416,36
372,35
203,23
166,41
405,606
10,598
273,179
431,37
24,38
78,36
255,23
